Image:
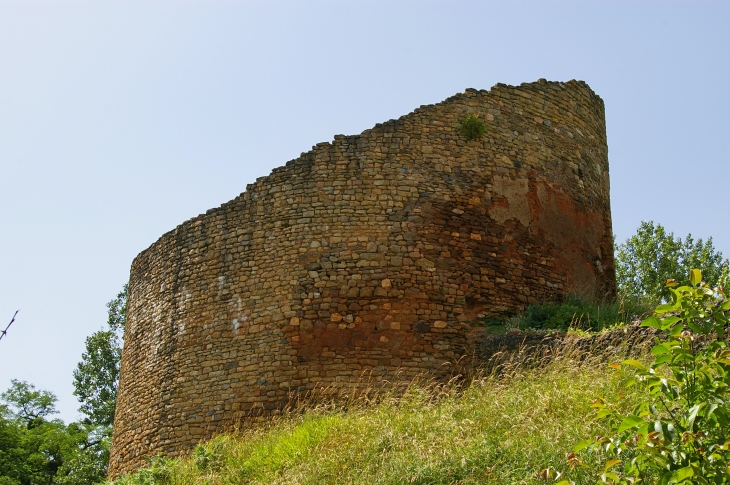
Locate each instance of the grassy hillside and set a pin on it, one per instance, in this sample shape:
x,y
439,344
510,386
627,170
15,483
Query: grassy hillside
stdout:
x,y
500,430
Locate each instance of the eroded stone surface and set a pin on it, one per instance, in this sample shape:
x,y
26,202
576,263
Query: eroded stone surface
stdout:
x,y
364,256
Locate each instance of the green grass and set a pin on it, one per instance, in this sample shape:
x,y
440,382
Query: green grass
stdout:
x,y
498,430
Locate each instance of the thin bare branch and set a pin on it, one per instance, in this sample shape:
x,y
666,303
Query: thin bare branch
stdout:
x,y
4,332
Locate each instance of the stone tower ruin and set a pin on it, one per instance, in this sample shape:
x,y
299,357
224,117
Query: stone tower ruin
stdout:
x,y
370,254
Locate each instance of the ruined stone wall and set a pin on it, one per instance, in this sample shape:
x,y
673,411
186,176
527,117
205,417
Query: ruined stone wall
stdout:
x,y
369,254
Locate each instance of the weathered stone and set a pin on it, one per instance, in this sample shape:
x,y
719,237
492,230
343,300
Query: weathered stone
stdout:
x,y
367,255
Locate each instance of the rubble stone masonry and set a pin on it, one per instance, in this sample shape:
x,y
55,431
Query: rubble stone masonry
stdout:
x,y
368,256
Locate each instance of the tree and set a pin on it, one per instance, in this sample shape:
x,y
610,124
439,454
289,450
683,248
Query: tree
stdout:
x,y
87,463
12,454
96,377
34,450
647,259
28,403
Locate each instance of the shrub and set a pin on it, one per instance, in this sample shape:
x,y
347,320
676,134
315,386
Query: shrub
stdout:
x,y
579,314
472,127
158,472
573,313
681,434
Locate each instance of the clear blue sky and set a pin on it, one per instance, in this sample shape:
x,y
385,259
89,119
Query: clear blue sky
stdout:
x,y
120,120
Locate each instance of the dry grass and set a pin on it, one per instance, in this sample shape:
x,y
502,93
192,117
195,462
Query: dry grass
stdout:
x,y
501,428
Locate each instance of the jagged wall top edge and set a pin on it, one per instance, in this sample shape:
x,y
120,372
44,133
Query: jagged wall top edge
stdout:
x,y
308,157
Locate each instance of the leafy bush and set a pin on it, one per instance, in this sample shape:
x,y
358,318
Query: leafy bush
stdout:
x,y
579,314
472,127
681,434
648,258
158,472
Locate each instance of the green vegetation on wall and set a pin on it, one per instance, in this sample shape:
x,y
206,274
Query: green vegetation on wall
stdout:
x,y
472,127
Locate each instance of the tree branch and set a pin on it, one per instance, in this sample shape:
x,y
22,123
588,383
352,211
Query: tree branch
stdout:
x,y
4,332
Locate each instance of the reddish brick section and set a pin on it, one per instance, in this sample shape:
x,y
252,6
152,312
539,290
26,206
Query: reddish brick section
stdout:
x,y
367,255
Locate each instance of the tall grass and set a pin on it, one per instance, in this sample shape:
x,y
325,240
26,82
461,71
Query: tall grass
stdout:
x,y
499,429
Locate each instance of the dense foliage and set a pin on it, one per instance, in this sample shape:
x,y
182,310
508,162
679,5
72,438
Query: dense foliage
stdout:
x,y
36,450
648,258
681,433
97,375
578,314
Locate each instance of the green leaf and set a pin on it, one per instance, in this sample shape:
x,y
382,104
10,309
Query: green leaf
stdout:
x,y
664,478
695,277
669,321
710,409
660,349
609,464
630,422
653,322
662,359
634,363
697,328
605,412
664,308
692,414
582,445
611,475
682,474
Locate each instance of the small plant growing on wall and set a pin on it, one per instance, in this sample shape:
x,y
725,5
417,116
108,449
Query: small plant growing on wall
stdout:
x,y
473,127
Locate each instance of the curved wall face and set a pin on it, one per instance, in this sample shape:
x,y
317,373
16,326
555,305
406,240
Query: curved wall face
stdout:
x,y
369,254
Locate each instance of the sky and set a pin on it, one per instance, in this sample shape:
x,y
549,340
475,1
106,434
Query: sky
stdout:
x,y
121,120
